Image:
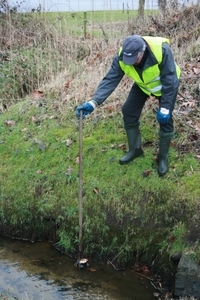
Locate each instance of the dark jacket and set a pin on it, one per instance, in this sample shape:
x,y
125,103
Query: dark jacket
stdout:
x,y
169,79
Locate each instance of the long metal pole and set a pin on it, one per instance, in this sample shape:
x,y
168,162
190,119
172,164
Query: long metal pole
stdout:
x,y
80,184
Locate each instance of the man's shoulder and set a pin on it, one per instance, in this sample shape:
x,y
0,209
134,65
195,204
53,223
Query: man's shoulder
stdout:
x,y
119,56
166,46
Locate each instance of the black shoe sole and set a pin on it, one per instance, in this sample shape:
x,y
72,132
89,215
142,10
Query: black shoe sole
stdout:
x,y
139,153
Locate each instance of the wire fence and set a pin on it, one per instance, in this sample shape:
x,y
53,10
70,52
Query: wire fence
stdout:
x,y
87,5
93,5
37,47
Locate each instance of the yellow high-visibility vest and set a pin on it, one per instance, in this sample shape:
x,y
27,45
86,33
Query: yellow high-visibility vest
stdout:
x,y
150,82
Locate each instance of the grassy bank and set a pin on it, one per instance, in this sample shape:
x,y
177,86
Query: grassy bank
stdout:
x,y
128,211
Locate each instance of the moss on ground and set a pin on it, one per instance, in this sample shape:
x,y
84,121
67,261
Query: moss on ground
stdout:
x,y
129,208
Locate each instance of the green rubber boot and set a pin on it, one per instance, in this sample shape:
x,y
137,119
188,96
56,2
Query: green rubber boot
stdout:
x,y
134,143
164,144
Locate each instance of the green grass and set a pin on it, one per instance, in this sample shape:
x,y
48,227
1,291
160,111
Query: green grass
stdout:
x,y
75,22
127,211
92,17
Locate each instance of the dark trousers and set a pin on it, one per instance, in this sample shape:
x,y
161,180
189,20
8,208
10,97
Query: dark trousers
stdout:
x,y
132,108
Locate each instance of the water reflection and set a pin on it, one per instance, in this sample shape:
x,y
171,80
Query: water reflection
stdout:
x,y
38,271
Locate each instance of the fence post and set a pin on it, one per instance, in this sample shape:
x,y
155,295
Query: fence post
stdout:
x,y
85,22
123,7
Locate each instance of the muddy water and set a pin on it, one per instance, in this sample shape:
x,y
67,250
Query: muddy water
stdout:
x,y
38,271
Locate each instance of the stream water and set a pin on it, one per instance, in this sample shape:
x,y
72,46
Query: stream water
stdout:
x,y
37,271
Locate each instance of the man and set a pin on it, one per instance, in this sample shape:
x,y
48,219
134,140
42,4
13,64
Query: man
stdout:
x,y
149,62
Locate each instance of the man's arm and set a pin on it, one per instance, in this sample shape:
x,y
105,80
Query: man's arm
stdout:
x,y
168,78
109,82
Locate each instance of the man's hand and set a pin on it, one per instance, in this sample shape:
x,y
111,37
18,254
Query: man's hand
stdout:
x,y
163,115
86,108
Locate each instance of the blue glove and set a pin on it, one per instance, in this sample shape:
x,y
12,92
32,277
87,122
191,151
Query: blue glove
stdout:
x,y
86,108
163,115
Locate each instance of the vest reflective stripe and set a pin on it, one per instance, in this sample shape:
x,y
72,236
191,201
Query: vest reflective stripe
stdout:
x,y
150,82
156,89
155,79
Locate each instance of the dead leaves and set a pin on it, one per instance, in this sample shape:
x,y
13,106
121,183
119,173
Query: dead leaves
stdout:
x,y
146,173
34,119
37,98
191,71
186,112
69,171
77,160
10,123
196,69
37,95
97,57
110,108
122,146
96,191
143,269
69,142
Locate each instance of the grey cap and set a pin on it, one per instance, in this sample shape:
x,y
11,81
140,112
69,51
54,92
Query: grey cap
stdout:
x,y
132,45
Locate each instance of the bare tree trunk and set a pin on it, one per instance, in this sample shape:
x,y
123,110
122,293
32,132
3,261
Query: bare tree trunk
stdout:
x,y
174,4
162,5
141,9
